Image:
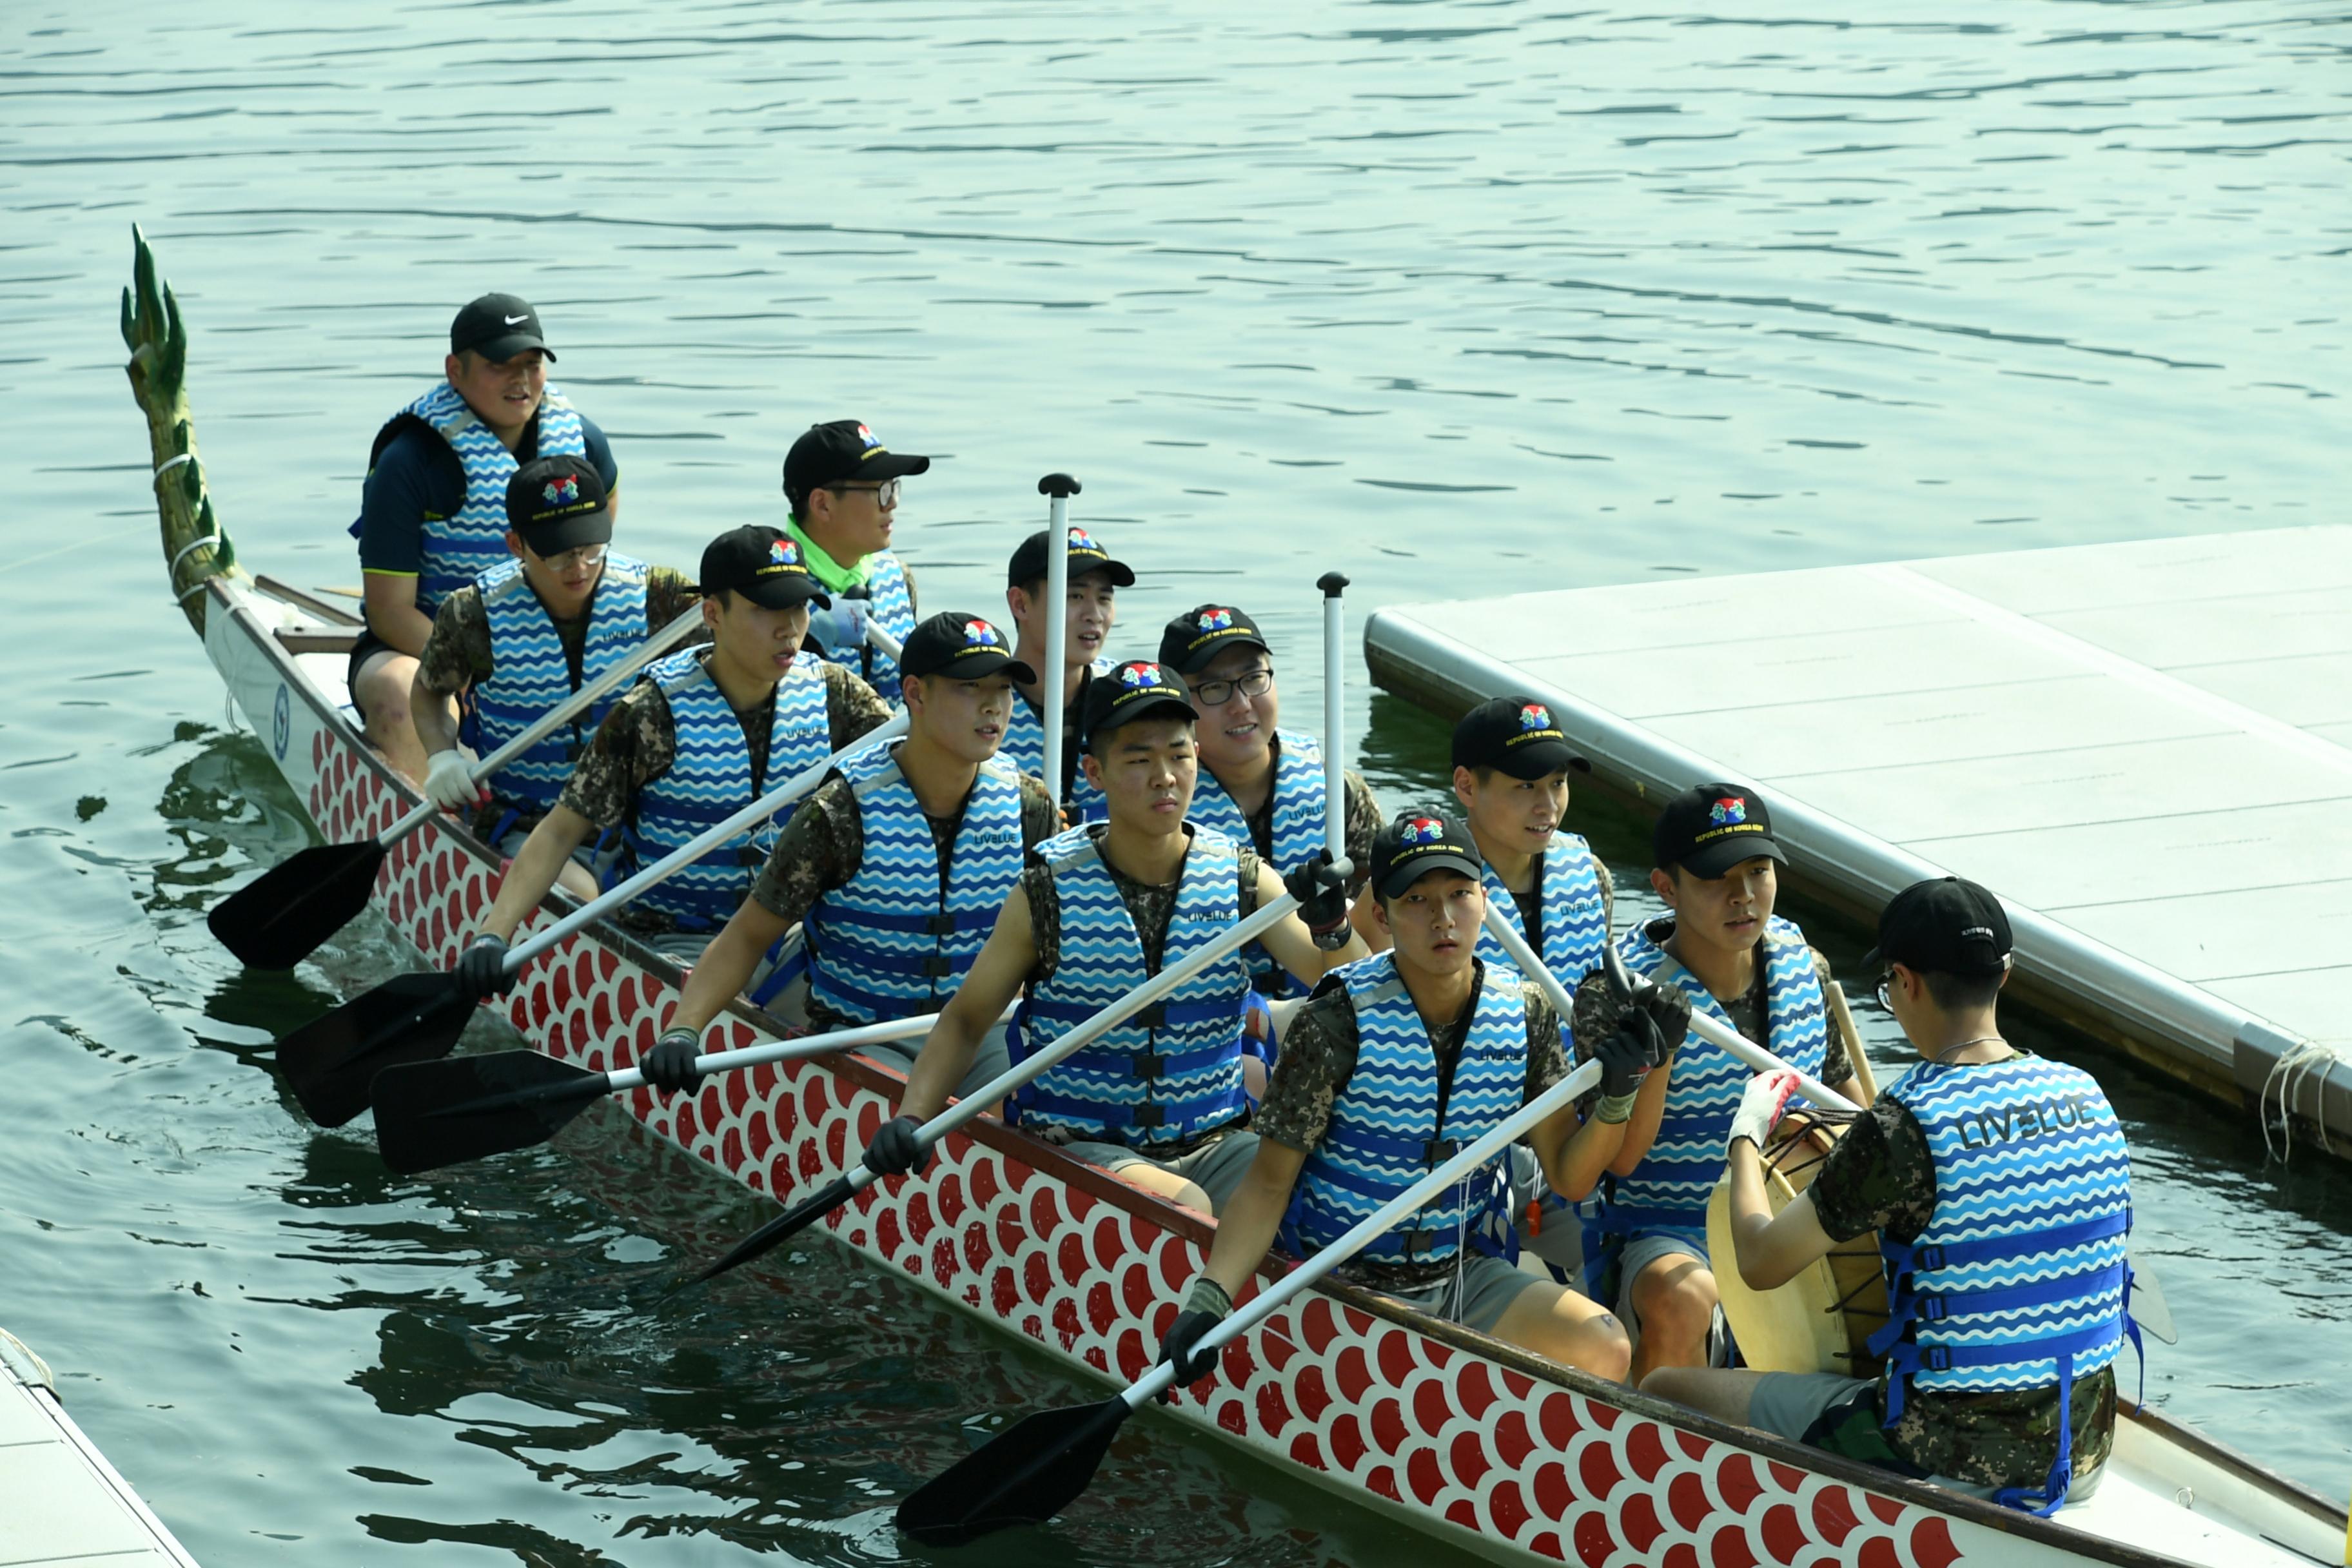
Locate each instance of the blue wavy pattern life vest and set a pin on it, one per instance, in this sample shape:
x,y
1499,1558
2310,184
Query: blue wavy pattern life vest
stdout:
x,y
838,632
1386,1132
711,780
1575,916
1668,1191
1174,1070
1024,739
2020,1279
529,674
1299,803
461,548
892,942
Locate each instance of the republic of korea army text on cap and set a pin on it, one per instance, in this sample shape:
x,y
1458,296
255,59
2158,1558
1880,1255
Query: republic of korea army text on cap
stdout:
x,y
498,327
1028,563
843,451
764,565
961,648
1709,829
1136,689
1945,926
558,504
1205,631
1410,844
1516,736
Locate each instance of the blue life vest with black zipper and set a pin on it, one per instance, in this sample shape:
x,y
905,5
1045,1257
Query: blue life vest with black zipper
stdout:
x,y
2020,1280
530,674
897,938
1173,1070
1024,741
838,632
1299,803
461,548
1667,1193
1396,1121
1574,914
710,780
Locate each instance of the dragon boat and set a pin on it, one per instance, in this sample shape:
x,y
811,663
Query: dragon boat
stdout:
x,y
1448,1431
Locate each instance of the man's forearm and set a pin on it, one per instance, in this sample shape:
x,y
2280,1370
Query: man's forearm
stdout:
x,y
403,627
534,870
940,1066
1580,1152
1245,1231
434,715
718,975
1750,1212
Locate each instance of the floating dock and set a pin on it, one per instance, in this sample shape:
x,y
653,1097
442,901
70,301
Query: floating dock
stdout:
x,y
60,1501
2144,749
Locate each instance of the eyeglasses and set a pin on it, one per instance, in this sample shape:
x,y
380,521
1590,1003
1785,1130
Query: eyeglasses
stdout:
x,y
585,555
1217,693
886,494
1886,990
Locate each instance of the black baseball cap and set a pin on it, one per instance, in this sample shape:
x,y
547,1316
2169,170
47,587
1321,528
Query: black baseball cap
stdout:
x,y
558,504
964,648
1136,689
1028,563
1514,736
764,565
1945,926
844,449
498,327
1709,829
1205,631
1410,845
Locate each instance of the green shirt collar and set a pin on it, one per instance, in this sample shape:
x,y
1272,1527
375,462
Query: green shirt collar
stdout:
x,y
824,567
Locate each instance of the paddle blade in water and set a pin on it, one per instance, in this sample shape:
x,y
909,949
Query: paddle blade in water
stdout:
x,y
429,1114
1025,1476
279,918
409,1018
817,1205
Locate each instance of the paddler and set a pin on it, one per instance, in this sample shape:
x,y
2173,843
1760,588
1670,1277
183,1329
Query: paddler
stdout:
x,y
842,484
525,635
697,739
1159,1102
433,511
894,868
1091,609
1716,868
2000,1186
1394,1065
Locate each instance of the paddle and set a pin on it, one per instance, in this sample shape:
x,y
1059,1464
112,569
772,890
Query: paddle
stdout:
x,y
277,920
1031,1471
1059,487
418,1018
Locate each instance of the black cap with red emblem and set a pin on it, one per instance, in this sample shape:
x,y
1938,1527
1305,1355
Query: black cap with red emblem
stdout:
x,y
1709,829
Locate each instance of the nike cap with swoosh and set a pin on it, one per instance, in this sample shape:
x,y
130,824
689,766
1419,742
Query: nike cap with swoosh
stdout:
x,y
498,327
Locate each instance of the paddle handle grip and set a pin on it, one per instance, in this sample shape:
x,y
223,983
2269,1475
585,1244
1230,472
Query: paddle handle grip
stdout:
x,y
1397,1209
1335,757
1056,689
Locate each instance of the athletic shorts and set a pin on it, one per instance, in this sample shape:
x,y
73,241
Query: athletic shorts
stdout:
x,y
368,645
1814,1407
1217,1167
587,857
1475,1296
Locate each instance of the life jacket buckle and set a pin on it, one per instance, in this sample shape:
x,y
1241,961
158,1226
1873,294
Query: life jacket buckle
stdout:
x,y
1151,1116
1936,1358
1930,1308
1152,1018
939,925
937,966
1149,1064
1435,1151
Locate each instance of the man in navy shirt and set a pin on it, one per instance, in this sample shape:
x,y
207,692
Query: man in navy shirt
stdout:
x,y
433,514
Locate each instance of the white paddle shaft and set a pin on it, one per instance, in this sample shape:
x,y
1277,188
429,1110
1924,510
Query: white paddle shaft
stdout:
x,y
621,1079
1335,760
1057,627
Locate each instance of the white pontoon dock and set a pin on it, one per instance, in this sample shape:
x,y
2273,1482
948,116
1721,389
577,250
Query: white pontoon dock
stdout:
x,y
60,1501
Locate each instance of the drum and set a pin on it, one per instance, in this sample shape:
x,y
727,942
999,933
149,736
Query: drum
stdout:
x,y
1823,1320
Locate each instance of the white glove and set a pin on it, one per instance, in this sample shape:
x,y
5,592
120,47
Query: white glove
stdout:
x,y
447,784
1760,1106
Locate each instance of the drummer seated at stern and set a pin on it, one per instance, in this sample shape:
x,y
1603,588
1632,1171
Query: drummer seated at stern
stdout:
x,y
1982,1166
1395,1064
1158,1101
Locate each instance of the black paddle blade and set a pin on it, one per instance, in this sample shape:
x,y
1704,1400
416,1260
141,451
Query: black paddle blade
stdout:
x,y
276,921
1025,1476
429,1114
408,1018
816,1206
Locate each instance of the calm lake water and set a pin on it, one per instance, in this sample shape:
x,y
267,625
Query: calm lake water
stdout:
x,y
1462,297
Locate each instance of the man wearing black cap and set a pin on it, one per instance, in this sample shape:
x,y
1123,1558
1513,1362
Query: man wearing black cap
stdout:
x,y
843,484
699,736
894,869
433,511
1715,866
1159,1101
524,635
2007,1316
1393,1065
1092,608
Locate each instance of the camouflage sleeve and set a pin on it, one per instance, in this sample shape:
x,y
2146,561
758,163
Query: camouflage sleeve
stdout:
x,y
1608,896
1045,920
1597,1012
1879,1176
458,653
1040,818
1835,1067
1250,865
818,850
914,599
634,746
852,708
1318,1056
1547,1062
1363,821
670,593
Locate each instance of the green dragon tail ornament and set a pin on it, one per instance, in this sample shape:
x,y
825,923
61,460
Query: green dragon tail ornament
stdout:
x,y
194,543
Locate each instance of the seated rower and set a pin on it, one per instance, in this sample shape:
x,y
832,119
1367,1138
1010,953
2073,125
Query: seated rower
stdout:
x,y
1511,767
932,828
1715,864
1394,1065
1090,611
2001,1389
524,635
433,511
842,484
1158,1101
701,736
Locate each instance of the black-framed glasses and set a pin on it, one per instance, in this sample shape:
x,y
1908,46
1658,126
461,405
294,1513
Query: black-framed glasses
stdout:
x,y
1217,693
885,494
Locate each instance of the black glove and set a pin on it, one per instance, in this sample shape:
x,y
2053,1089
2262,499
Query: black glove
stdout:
x,y
669,1066
1626,1054
481,969
1322,895
1191,1365
1668,1008
895,1150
